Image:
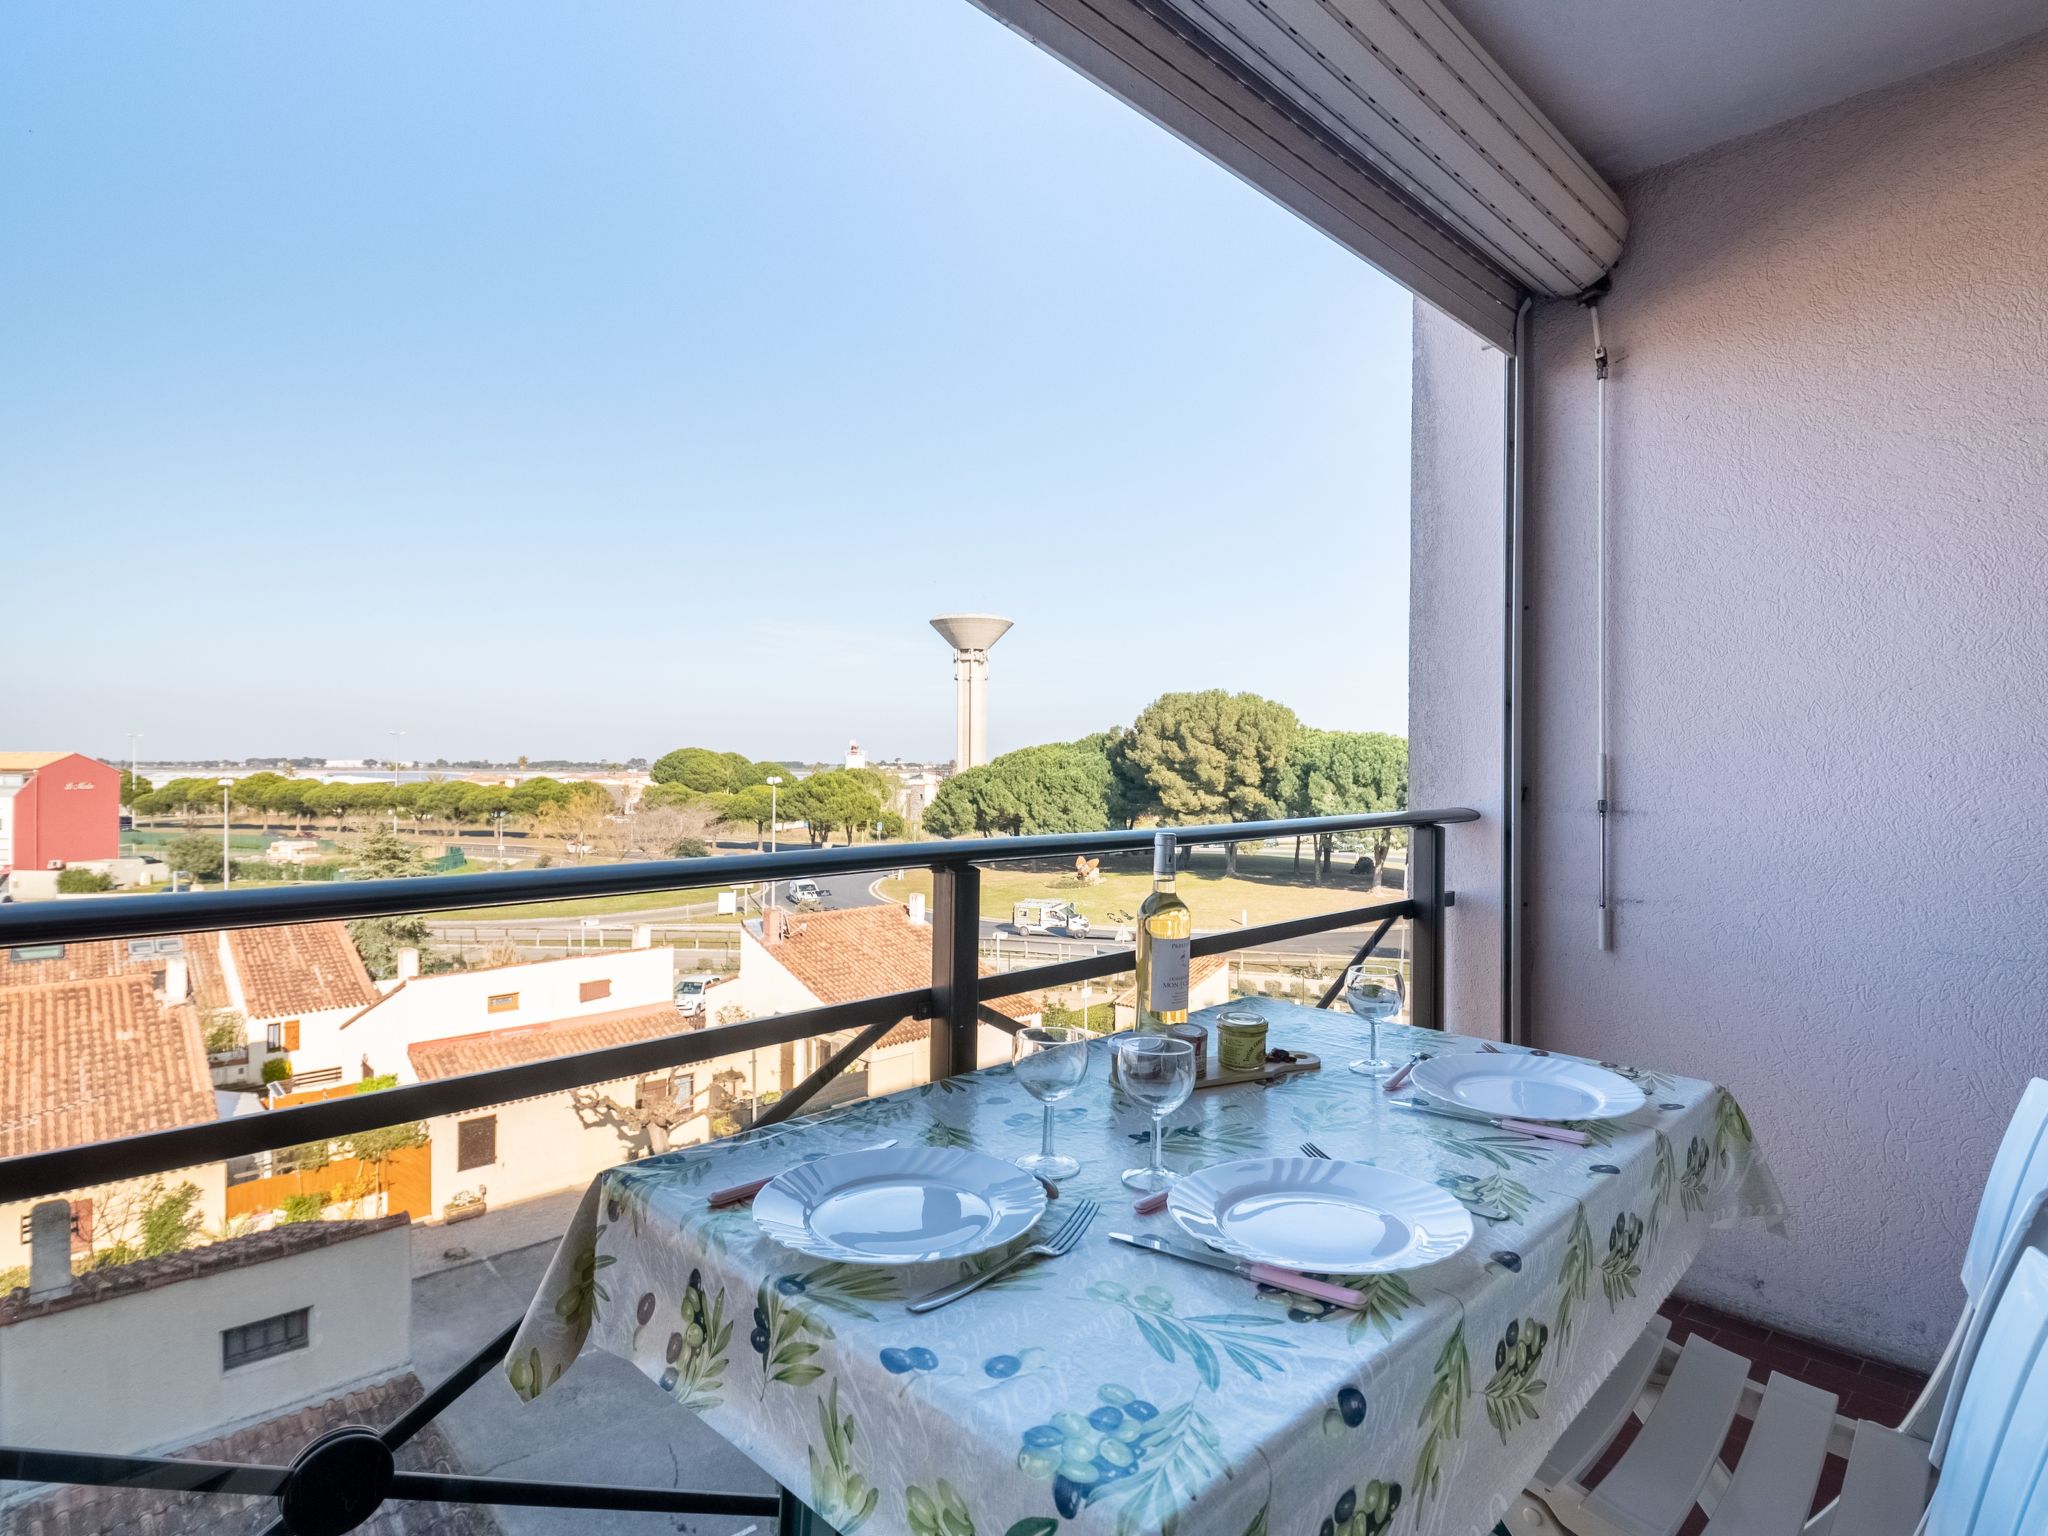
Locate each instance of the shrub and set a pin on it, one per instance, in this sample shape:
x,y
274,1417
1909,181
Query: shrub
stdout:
x,y
82,882
171,1219
224,1032
306,1207
196,853
277,1069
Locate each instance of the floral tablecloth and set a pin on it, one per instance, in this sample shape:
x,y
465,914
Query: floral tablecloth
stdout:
x,y
1116,1391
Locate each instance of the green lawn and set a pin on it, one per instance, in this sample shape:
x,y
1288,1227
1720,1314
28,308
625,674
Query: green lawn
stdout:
x,y
592,906
1265,890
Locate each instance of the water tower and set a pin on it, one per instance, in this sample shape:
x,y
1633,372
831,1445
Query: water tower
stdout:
x,y
971,635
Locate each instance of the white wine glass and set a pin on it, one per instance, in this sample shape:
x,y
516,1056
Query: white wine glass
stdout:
x,y
1158,1072
1372,998
1050,1061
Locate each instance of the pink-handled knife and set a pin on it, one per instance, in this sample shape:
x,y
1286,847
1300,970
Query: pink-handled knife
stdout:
x,y
1265,1274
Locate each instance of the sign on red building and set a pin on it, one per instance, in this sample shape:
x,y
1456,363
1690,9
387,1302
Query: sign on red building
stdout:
x,y
57,808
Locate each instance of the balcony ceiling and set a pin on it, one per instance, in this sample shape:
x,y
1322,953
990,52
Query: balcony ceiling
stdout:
x,y
1636,85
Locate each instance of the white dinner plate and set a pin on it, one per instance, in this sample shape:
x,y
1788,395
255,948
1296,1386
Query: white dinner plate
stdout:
x,y
1526,1087
899,1205
1320,1214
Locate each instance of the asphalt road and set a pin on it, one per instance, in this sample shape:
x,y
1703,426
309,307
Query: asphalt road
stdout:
x,y
857,890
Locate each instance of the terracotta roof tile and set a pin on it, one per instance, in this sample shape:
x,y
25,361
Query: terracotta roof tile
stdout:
x,y
298,968
120,957
90,1060
457,1055
280,1242
857,952
75,1511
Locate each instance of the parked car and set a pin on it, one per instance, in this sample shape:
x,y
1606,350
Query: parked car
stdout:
x,y
690,992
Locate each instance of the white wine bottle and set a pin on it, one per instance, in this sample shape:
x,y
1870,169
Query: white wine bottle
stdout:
x,y
1165,927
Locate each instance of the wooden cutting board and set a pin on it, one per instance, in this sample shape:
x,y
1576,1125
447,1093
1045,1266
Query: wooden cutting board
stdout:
x,y
1303,1061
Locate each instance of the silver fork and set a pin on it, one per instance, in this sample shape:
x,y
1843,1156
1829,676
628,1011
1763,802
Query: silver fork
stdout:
x,y
1310,1149
1062,1240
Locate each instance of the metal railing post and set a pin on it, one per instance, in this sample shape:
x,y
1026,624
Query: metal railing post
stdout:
x,y
1426,930
956,953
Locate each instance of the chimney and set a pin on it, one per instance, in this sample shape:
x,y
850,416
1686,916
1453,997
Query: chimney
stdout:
x,y
917,906
774,925
49,1259
408,964
177,981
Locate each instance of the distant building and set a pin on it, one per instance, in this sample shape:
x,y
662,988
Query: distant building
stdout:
x,y
790,961
855,758
57,808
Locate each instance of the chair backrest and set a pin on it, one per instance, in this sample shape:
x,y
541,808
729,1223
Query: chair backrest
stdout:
x,y
1995,1479
2012,1191
2018,1174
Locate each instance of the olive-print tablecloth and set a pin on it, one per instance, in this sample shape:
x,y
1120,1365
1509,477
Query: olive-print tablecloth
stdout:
x,y
1115,1391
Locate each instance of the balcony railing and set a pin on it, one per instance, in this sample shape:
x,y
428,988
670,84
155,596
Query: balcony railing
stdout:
x,y
341,1479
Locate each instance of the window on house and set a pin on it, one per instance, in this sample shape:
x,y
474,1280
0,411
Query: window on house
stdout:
x,y
503,1002
27,952
150,949
591,991
283,1035
250,1342
476,1143
670,1087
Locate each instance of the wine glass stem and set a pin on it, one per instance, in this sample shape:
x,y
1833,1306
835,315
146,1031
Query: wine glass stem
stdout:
x,y
1045,1147
1375,1037
1158,1135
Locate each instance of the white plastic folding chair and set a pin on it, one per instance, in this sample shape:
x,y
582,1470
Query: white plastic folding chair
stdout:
x,y
1689,1397
1995,1481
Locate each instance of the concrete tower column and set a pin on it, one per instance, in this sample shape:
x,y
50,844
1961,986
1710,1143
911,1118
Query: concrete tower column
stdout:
x,y
971,635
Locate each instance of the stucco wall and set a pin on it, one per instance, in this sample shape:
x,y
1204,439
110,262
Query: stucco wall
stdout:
x,y
143,1370
1829,470
1457,644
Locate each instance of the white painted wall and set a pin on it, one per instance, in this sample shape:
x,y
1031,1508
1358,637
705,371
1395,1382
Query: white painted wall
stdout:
x,y
143,1371
458,1003
117,1209
1829,467
542,1147
1457,644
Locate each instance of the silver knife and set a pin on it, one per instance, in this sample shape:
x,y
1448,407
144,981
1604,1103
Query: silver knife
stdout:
x,y
1264,1274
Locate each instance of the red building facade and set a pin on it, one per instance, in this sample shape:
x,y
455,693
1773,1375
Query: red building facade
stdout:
x,y
57,808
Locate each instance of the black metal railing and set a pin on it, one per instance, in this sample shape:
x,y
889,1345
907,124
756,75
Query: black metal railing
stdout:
x,y
342,1477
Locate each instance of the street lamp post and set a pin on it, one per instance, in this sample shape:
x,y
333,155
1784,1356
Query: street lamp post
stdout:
x,y
227,867
774,783
133,738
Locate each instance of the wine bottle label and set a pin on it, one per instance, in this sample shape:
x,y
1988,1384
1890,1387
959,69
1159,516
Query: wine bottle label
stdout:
x,y
1169,976
1162,855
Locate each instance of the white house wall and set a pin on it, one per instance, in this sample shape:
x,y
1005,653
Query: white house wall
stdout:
x,y
457,1003
1828,557
143,1371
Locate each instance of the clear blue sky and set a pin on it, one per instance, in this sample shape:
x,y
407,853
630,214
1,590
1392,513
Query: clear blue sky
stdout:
x,y
584,380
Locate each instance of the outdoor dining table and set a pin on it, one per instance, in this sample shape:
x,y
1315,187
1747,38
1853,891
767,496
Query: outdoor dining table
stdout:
x,y
1113,1390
